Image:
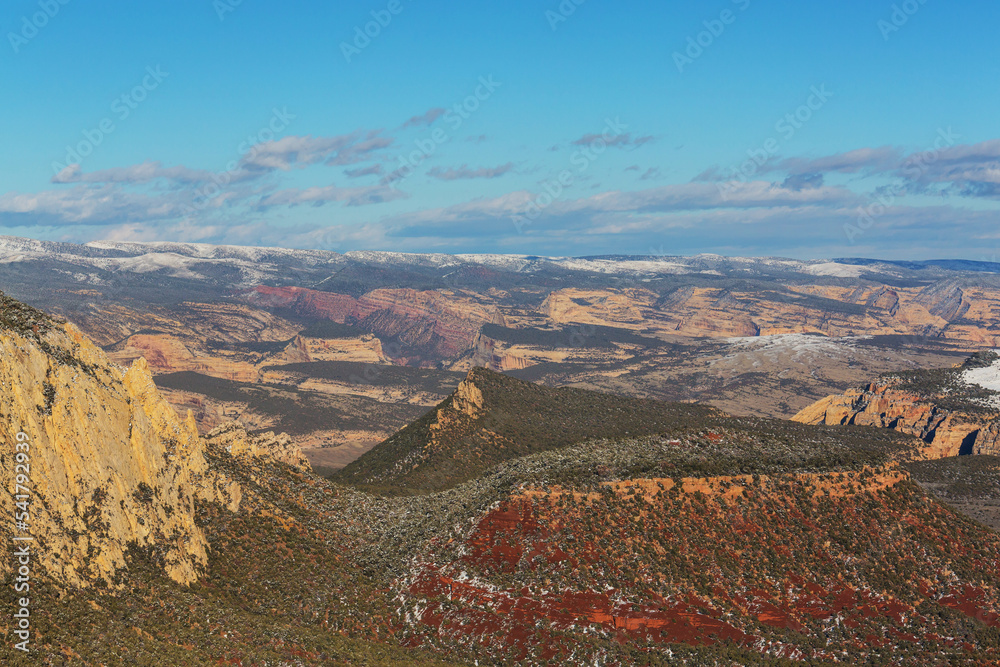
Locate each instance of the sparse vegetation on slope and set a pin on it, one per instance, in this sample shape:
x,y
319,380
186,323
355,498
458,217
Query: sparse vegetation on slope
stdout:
x,y
23,319
455,443
573,528
493,418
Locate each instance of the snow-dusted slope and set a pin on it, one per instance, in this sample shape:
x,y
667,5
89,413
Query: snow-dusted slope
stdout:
x,y
208,251
177,260
257,264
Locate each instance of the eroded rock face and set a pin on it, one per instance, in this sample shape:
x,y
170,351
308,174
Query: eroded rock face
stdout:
x,y
883,404
335,307
597,307
428,324
495,355
167,354
503,356
469,398
942,310
234,439
110,324
111,463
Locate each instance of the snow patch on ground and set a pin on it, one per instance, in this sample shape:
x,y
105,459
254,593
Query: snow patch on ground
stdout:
x,y
210,251
611,266
788,349
525,263
258,264
793,343
176,264
988,378
834,269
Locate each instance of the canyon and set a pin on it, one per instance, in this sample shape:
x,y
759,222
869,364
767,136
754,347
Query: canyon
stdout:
x,y
751,336
513,522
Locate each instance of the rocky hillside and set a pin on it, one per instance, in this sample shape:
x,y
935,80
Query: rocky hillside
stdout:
x,y
108,462
748,543
855,568
734,541
955,411
491,418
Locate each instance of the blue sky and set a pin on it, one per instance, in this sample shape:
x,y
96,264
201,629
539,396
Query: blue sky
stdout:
x,y
855,128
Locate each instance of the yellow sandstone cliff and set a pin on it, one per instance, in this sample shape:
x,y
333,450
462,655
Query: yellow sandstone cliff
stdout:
x,y
110,461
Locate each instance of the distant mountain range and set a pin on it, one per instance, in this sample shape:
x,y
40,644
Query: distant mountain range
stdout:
x,y
254,263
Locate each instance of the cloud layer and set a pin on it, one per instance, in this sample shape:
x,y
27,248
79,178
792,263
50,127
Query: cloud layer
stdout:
x,y
794,202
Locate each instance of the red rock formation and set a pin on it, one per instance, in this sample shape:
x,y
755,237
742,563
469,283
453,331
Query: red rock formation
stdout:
x,y
739,560
446,322
331,306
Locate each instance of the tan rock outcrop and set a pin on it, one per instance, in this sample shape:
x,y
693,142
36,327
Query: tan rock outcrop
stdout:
x,y
573,344
944,310
884,405
107,463
498,356
235,440
468,398
599,307
364,349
